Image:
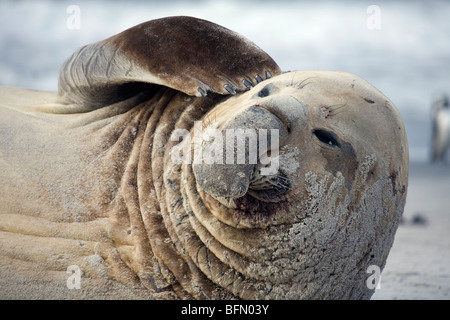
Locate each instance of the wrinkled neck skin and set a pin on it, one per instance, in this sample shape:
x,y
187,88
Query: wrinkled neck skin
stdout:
x,y
187,242
148,207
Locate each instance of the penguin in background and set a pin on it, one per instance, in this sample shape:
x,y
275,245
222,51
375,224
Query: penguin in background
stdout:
x,y
440,128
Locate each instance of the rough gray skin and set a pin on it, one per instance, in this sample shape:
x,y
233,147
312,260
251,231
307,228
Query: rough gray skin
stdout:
x,y
88,177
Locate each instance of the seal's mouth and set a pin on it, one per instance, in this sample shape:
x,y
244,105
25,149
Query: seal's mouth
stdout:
x,y
255,209
273,188
265,189
260,206
248,211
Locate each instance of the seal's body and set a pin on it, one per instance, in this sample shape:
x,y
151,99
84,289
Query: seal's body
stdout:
x,y
90,179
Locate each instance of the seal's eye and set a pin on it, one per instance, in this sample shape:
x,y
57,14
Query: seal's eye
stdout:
x,y
326,137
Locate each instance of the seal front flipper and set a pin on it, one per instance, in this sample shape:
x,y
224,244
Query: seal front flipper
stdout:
x,y
187,54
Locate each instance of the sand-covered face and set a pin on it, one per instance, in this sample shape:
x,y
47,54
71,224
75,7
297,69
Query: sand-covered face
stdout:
x,y
327,124
327,190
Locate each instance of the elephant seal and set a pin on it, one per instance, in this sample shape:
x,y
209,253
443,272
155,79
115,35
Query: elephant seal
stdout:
x,y
128,174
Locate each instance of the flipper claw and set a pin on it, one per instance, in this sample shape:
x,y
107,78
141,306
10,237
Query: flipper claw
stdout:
x,y
247,83
230,89
202,91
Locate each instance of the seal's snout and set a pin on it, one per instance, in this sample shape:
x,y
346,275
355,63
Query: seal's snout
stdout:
x,y
245,146
223,180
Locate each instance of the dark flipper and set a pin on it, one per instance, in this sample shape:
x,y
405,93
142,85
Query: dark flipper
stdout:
x,y
190,55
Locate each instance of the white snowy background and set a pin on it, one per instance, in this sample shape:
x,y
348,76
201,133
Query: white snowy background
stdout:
x,y
407,58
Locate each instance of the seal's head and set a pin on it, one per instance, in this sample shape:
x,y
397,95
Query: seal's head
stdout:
x,y
329,182
329,124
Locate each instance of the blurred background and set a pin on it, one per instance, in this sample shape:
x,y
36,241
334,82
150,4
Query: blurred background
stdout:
x,y
401,47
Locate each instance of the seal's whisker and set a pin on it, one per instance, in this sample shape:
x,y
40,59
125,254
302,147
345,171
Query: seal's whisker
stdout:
x,y
301,84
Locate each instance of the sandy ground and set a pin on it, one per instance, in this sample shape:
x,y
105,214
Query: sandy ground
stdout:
x,y
418,266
